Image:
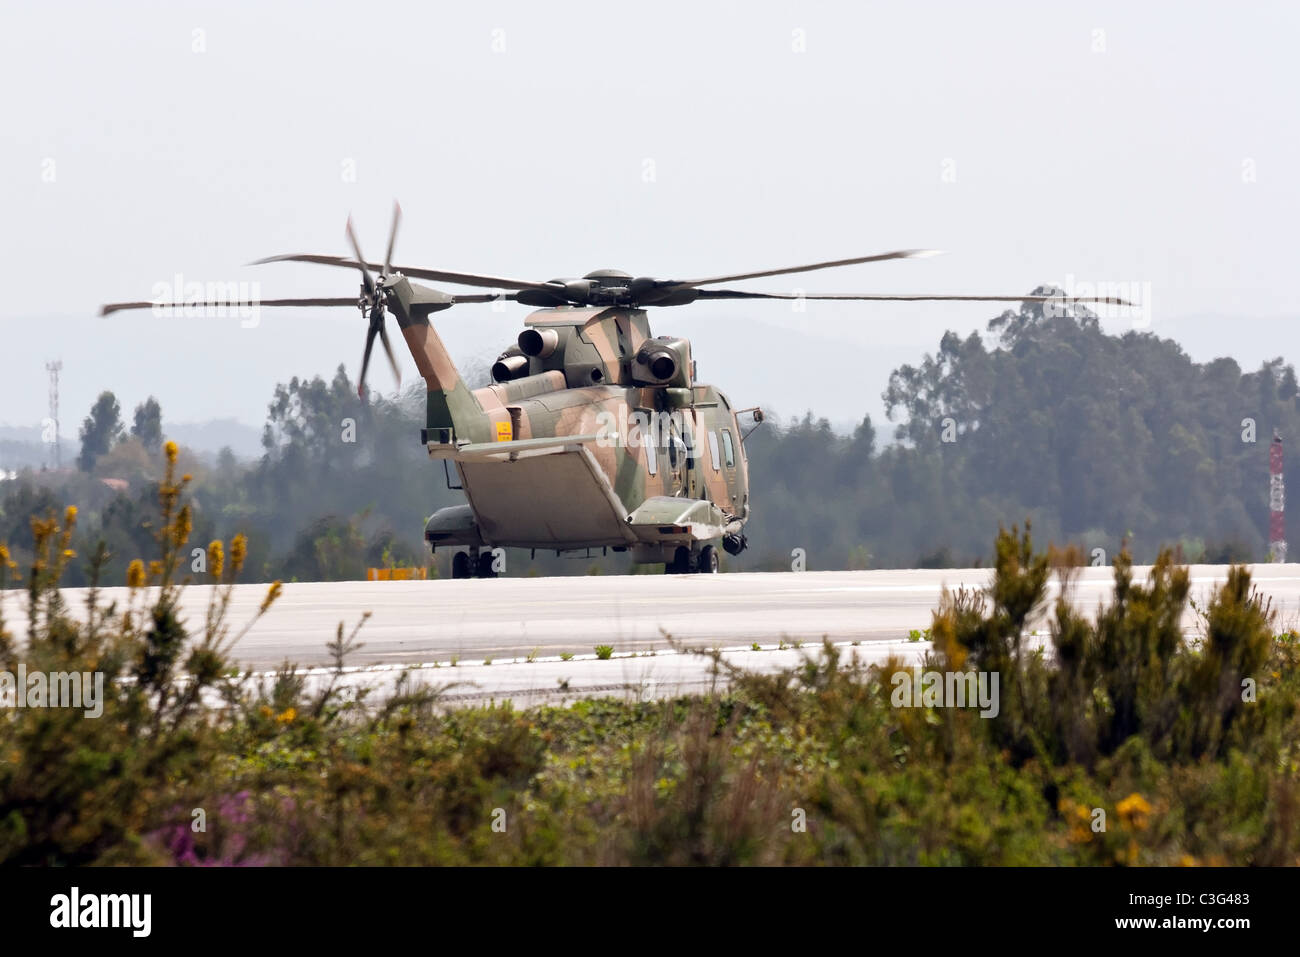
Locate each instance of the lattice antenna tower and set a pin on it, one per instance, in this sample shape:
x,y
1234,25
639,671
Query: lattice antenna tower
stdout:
x,y
1276,502
53,368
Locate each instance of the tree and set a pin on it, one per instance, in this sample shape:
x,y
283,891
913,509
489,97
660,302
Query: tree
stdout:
x,y
100,430
148,425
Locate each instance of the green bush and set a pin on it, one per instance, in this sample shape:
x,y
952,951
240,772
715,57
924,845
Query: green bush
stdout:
x,y
1186,749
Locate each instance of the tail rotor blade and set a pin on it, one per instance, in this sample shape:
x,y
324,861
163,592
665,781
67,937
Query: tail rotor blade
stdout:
x,y
388,350
361,260
392,238
365,362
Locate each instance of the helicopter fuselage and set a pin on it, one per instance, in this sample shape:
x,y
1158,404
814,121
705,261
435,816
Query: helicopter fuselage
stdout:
x,y
594,435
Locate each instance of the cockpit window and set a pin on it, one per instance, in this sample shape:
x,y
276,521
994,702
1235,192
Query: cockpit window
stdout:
x,y
728,448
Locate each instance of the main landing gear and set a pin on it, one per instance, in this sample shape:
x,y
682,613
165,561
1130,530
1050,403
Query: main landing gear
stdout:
x,y
689,561
472,564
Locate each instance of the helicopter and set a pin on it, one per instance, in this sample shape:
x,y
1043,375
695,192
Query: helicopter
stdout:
x,y
594,433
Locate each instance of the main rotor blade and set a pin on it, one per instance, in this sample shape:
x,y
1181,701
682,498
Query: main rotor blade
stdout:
x,y
414,272
119,306
485,297
785,271
904,297
350,301
361,261
392,238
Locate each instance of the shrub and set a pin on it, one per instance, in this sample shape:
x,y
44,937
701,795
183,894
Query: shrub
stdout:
x,y
1187,750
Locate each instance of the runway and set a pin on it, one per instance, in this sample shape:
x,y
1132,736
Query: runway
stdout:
x,y
513,618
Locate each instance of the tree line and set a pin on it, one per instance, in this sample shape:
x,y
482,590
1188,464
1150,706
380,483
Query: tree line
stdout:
x,y
1100,440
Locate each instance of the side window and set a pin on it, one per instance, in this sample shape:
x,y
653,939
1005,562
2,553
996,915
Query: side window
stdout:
x,y
728,448
651,454
714,457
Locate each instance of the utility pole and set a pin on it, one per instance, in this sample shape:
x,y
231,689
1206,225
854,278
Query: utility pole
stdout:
x,y
1276,501
53,368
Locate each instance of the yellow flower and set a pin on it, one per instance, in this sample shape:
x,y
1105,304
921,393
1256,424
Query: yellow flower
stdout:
x,y
4,554
238,551
187,477
272,594
265,711
1133,811
155,569
70,515
135,574
171,450
216,558
69,553
286,716
1079,819
1187,860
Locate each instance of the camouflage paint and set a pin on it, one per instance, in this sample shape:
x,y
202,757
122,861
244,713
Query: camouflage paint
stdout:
x,y
565,394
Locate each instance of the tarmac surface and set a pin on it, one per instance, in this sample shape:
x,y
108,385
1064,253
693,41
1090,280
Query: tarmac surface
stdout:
x,y
504,619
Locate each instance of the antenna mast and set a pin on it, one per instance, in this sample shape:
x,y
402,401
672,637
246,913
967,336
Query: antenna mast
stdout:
x,y
1276,502
53,369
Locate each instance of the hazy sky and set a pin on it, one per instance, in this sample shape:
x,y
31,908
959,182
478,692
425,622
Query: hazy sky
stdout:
x,y
1151,143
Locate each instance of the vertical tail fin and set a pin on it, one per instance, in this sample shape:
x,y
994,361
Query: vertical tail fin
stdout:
x,y
452,411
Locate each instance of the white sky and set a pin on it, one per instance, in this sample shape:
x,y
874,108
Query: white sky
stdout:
x,y
1124,164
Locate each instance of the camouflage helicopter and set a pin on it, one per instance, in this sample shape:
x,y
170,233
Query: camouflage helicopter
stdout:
x,y
594,433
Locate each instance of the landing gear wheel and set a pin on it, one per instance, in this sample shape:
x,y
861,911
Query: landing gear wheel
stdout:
x,y
681,563
460,565
708,560
485,566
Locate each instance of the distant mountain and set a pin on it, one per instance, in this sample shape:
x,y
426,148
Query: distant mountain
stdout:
x,y
21,446
214,435
16,455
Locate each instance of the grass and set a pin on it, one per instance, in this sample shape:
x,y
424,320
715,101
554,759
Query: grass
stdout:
x,y
604,652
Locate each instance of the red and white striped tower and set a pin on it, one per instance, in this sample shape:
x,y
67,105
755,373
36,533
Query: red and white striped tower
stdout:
x,y
1276,502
